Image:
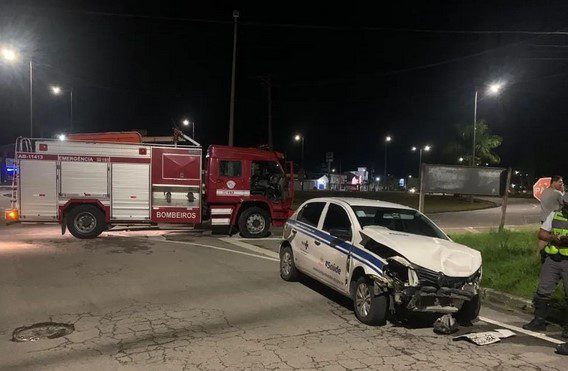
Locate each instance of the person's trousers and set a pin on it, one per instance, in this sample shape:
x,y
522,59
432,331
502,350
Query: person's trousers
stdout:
x,y
551,272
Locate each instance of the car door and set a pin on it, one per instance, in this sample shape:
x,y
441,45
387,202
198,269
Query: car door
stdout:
x,y
304,230
334,253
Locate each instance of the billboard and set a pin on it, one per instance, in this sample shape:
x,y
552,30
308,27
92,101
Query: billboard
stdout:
x,y
467,180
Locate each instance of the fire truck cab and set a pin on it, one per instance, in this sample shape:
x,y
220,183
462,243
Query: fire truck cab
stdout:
x,y
92,182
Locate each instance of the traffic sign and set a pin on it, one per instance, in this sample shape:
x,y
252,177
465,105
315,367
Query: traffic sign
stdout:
x,y
540,186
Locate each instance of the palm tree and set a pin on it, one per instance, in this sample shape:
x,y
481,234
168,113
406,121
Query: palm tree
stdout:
x,y
485,144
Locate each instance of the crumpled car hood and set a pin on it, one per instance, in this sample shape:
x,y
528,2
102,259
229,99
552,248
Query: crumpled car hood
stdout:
x,y
450,258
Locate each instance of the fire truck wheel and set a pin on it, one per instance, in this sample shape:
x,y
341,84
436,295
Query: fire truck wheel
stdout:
x,y
86,221
254,223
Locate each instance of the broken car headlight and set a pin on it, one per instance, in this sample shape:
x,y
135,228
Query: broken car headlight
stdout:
x,y
476,278
413,279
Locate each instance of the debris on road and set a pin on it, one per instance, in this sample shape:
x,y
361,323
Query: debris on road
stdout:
x,y
446,325
488,337
562,349
43,330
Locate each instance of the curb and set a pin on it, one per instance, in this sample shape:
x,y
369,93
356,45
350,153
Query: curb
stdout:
x,y
517,303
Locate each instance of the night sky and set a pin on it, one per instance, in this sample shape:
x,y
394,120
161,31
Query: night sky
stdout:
x,y
345,75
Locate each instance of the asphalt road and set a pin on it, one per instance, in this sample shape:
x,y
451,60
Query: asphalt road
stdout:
x,y
139,301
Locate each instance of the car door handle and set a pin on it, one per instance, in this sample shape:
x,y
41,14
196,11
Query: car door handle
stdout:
x,y
294,231
317,243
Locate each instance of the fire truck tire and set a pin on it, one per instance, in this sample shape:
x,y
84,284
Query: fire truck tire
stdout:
x,y
254,222
86,221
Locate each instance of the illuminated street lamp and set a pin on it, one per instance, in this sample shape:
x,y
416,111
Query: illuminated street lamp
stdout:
x,y
11,55
388,139
494,88
300,138
186,122
62,137
58,90
426,148
460,159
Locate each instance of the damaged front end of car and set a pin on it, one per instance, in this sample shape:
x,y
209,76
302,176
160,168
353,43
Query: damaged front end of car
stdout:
x,y
419,289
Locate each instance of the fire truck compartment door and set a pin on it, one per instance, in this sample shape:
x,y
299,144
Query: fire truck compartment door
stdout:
x,y
38,197
130,192
85,179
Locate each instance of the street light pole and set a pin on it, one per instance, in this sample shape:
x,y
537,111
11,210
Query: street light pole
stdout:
x,y
387,140
472,162
232,105
303,152
71,110
425,148
300,138
31,100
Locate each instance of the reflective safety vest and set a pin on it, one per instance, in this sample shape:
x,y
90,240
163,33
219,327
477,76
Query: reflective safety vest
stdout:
x,y
559,227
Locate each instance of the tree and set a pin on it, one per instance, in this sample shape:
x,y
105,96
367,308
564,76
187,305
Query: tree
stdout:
x,y
485,144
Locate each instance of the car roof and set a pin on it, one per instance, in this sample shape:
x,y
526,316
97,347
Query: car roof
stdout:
x,y
357,201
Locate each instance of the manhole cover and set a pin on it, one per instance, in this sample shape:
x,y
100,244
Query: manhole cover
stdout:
x,y
39,331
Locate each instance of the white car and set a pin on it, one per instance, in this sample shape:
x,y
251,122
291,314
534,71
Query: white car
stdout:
x,y
386,257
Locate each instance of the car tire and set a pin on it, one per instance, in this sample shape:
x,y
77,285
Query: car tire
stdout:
x,y
469,311
86,221
288,270
369,308
254,222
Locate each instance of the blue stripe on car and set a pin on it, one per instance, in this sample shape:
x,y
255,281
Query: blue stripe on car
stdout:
x,y
344,247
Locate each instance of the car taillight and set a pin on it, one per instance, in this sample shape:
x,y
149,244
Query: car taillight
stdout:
x,y
11,215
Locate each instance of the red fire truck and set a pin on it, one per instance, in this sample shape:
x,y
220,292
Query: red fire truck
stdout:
x,y
89,183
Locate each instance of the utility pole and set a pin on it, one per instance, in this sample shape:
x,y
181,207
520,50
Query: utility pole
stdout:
x,y
71,110
232,107
266,81
472,161
31,100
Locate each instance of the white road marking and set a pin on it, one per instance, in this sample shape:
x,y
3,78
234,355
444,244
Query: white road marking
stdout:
x,y
220,248
258,239
250,247
522,330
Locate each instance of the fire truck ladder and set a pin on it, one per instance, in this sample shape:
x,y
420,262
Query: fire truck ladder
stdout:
x,y
22,145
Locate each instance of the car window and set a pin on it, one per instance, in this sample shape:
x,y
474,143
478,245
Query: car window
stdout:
x,y
311,213
230,168
337,222
401,220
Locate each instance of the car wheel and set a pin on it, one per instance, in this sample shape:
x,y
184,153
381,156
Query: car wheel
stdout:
x,y
288,270
86,221
369,308
254,223
469,311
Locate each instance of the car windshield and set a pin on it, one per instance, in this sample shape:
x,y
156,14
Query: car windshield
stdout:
x,y
401,220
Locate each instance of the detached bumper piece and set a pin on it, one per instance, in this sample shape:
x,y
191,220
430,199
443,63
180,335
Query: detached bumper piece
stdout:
x,y
439,300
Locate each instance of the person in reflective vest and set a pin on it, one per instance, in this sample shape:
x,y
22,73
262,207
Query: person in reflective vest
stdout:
x,y
554,230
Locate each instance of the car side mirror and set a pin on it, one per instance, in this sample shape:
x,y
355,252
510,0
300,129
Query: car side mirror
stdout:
x,y
341,233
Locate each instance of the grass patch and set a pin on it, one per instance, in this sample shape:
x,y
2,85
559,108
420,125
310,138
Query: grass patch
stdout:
x,y
510,261
432,203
